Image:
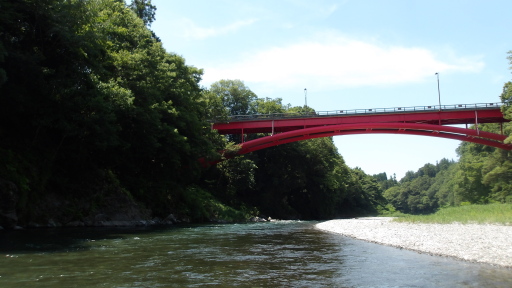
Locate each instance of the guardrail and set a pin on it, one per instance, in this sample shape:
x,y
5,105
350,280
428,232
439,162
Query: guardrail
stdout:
x,y
310,114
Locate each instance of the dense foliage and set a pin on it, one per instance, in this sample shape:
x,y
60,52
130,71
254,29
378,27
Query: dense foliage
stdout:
x,y
95,113
89,99
419,192
306,179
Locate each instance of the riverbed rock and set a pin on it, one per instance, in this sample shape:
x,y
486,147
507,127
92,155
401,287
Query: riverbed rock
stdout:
x,y
9,196
52,224
171,219
257,219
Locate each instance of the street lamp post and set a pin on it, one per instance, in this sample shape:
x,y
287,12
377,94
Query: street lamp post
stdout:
x,y
438,91
306,97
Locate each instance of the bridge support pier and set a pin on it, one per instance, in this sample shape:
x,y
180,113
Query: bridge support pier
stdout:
x,y
476,123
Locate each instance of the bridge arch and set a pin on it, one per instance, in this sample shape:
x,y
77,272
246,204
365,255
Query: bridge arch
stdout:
x,y
448,132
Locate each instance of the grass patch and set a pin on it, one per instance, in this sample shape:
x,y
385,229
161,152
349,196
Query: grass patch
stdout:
x,y
467,214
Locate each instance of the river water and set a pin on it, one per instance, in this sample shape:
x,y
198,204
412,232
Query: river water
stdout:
x,y
276,254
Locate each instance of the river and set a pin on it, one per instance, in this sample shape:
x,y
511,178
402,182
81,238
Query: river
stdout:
x,y
275,254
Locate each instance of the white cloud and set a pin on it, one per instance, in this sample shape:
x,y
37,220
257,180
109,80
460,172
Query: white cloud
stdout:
x,y
189,30
331,9
336,63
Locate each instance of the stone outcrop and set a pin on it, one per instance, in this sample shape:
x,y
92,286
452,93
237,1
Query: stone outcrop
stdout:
x,y
105,206
111,208
119,209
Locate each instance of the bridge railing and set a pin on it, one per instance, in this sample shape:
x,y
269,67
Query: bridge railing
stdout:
x,y
310,114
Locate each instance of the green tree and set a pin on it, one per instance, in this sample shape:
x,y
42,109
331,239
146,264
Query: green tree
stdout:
x,y
485,172
237,98
445,186
230,97
384,182
420,192
269,106
305,179
364,194
144,10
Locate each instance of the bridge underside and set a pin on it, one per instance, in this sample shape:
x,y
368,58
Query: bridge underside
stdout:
x,y
449,132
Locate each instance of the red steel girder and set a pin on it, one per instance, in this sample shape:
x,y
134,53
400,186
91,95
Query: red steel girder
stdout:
x,y
450,117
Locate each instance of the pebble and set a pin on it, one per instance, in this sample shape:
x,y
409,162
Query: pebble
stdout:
x,y
481,243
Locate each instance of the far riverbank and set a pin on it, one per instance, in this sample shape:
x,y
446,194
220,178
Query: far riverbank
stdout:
x,y
482,243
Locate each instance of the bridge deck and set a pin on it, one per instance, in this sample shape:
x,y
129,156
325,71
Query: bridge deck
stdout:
x,y
449,115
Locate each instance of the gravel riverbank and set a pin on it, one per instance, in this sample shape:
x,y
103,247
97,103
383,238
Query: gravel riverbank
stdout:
x,y
490,244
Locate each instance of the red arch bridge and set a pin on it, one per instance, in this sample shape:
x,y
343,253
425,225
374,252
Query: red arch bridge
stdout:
x,y
434,121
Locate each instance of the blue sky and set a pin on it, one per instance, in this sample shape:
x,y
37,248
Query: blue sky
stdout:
x,y
350,54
